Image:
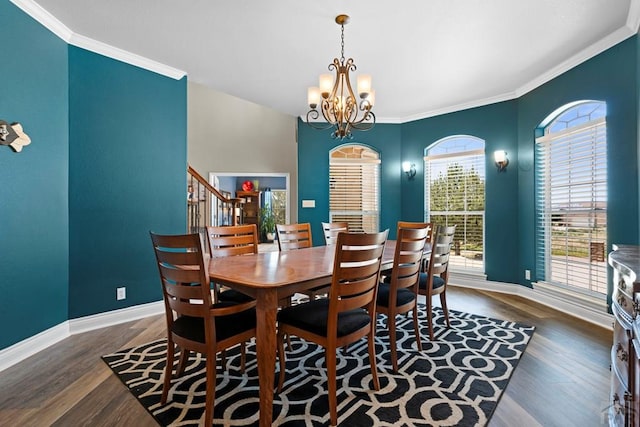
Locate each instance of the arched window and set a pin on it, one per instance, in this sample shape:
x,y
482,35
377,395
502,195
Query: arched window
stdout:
x,y
454,194
571,197
354,187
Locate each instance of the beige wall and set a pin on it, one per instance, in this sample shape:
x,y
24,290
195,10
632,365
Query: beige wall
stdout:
x,y
228,134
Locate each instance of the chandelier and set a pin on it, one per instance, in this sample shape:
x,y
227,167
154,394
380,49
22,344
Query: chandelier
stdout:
x,y
340,107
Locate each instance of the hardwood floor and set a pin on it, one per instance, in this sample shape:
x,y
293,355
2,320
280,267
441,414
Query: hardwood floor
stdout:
x,y
561,380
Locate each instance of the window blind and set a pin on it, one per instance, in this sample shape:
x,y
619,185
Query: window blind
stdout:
x,y
454,195
571,207
354,194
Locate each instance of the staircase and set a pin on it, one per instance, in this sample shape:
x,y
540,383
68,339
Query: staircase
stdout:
x,y
206,205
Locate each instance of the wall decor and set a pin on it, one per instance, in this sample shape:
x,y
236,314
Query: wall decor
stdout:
x,y
13,135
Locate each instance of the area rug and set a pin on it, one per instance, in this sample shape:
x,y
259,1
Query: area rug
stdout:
x,y
456,380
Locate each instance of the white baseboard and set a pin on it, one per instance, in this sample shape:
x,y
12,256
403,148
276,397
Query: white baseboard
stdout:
x,y
588,309
11,355
114,317
32,345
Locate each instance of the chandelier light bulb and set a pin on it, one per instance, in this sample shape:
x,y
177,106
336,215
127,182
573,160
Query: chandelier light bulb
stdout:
x,y
364,85
326,83
313,96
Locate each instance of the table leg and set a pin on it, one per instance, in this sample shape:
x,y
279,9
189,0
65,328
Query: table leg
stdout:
x,y
266,311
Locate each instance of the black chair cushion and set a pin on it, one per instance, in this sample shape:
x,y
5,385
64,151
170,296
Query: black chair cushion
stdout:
x,y
231,295
312,316
438,281
226,326
405,295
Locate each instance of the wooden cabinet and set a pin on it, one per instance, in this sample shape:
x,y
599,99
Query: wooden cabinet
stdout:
x,y
250,207
625,366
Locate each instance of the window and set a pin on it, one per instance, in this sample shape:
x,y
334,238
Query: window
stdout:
x,y
454,194
354,187
571,198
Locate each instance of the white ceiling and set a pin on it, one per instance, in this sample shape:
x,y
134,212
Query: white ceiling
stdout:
x,y
426,57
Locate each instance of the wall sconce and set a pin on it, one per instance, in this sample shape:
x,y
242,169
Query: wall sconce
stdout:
x,y
501,159
409,169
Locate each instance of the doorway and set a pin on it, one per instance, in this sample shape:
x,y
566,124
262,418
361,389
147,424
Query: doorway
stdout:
x,y
276,184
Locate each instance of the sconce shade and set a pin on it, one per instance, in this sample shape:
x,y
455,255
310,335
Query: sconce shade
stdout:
x,y
409,168
500,157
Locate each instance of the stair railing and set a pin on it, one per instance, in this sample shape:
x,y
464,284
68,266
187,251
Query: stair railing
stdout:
x,y
206,205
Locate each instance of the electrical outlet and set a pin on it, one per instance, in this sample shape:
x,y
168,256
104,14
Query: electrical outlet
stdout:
x,y
527,274
121,293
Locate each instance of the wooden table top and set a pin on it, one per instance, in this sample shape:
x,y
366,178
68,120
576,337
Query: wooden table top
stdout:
x,y
279,269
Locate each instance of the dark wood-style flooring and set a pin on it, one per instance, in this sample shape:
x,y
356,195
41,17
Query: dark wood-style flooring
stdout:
x,y
561,380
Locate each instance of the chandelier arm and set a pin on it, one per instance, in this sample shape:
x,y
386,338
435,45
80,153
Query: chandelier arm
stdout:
x,y
366,123
311,116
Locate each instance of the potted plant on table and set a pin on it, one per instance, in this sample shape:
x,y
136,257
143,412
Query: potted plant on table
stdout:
x,y
267,224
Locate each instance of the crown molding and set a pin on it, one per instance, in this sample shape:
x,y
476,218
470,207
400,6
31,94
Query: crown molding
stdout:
x,y
96,46
631,28
459,107
577,59
633,18
50,22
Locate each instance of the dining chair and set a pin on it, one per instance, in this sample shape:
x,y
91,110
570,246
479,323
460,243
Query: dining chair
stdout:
x,y
298,236
193,322
398,293
429,226
434,281
294,236
331,230
231,241
347,315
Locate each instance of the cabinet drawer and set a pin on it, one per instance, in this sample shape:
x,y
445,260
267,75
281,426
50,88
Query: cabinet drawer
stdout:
x,y
624,303
621,351
618,405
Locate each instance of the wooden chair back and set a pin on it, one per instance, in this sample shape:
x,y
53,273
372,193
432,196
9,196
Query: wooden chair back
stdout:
x,y
356,273
407,259
185,281
419,225
440,250
331,230
232,240
294,236
429,227
438,266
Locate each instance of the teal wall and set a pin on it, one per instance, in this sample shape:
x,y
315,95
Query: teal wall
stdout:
x,y
107,163
496,125
611,76
128,161
313,173
34,220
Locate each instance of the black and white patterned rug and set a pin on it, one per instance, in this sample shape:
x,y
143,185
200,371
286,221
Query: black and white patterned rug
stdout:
x,y
456,380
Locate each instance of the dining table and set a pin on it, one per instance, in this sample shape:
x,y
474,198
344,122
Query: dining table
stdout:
x,y
269,277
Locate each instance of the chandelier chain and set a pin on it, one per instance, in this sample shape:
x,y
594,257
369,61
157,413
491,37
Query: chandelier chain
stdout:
x,y
342,45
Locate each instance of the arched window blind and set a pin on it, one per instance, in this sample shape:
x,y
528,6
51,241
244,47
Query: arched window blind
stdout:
x,y
571,199
354,187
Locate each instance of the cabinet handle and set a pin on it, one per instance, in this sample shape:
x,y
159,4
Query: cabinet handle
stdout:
x,y
622,284
622,301
618,407
622,355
